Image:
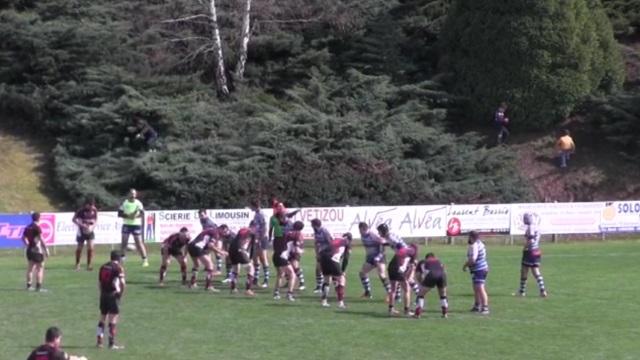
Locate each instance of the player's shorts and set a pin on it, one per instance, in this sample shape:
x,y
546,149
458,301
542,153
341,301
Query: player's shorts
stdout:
x,y
294,256
394,270
479,276
109,304
531,258
278,261
263,244
131,229
330,267
81,237
173,251
239,257
375,259
439,281
34,256
195,251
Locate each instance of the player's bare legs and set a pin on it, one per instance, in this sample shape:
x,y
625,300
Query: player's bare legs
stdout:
x,y
39,268
79,248
142,250
166,260
391,297
90,251
30,270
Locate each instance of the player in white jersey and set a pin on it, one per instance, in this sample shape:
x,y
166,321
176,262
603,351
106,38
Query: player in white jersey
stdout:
x,y
531,256
375,259
479,268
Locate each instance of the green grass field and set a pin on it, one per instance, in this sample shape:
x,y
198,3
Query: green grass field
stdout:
x,y
593,312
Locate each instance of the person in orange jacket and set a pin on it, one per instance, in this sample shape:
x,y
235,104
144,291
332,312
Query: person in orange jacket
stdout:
x,y
565,147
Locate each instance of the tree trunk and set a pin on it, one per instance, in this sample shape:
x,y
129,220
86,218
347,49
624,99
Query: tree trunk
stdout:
x,y
244,40
221,77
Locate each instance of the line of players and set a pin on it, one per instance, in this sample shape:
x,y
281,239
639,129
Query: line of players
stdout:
x,y
403,275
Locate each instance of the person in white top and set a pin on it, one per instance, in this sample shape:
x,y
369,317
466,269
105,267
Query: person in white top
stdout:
x,y
531,256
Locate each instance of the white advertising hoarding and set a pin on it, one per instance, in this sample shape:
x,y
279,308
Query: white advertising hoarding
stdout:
x,y
559,218
620,216
490,218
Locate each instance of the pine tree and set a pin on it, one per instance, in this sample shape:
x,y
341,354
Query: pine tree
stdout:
x,y
542,57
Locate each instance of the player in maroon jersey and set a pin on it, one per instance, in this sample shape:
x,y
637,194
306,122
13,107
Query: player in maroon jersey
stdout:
x,y
112,287
295,246
401,268
50,350
281,256
333,260
200,250
241,250
226,237
85,218
430,273
36,252
175,245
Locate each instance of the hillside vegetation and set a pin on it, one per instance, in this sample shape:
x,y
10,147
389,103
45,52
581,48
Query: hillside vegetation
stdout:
x,y
341,102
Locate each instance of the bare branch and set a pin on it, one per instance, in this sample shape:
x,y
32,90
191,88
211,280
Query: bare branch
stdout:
x,y
188,38
290,21
183,19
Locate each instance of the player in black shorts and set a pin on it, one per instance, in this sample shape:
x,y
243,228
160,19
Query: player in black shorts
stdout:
x,y
226,237
401,269
85,218
176,246
50,350
282,246
112,285
241,250
430,273
36,251
333,260
200,249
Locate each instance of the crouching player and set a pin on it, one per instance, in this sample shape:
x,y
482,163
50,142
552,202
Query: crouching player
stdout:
x,y
112,285
175,245
333,262
200,249
401,269
429,274
240,255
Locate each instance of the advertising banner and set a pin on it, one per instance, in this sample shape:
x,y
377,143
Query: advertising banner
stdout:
x,y
559,218
167,222
492,219
64,232
621,216
405,221
11,229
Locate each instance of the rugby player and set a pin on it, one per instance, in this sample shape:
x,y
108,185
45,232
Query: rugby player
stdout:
x,y
132,213
531,257
374,259
36,252
295,248
85,218
430,273
199,249
240,251
395,242
321,239
261,258
226,237
401,269
175,245
207,223
281,255
112,287
333,259
51,349
479,268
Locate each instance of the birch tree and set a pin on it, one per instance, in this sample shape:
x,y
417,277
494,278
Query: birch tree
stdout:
x,y
244,40
221,77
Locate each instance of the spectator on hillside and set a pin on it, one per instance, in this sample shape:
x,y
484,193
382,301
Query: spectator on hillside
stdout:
x,y
502,123
565,147
146,133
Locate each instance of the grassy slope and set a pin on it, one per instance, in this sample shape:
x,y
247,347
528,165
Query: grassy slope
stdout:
x,y
592,313
22,176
